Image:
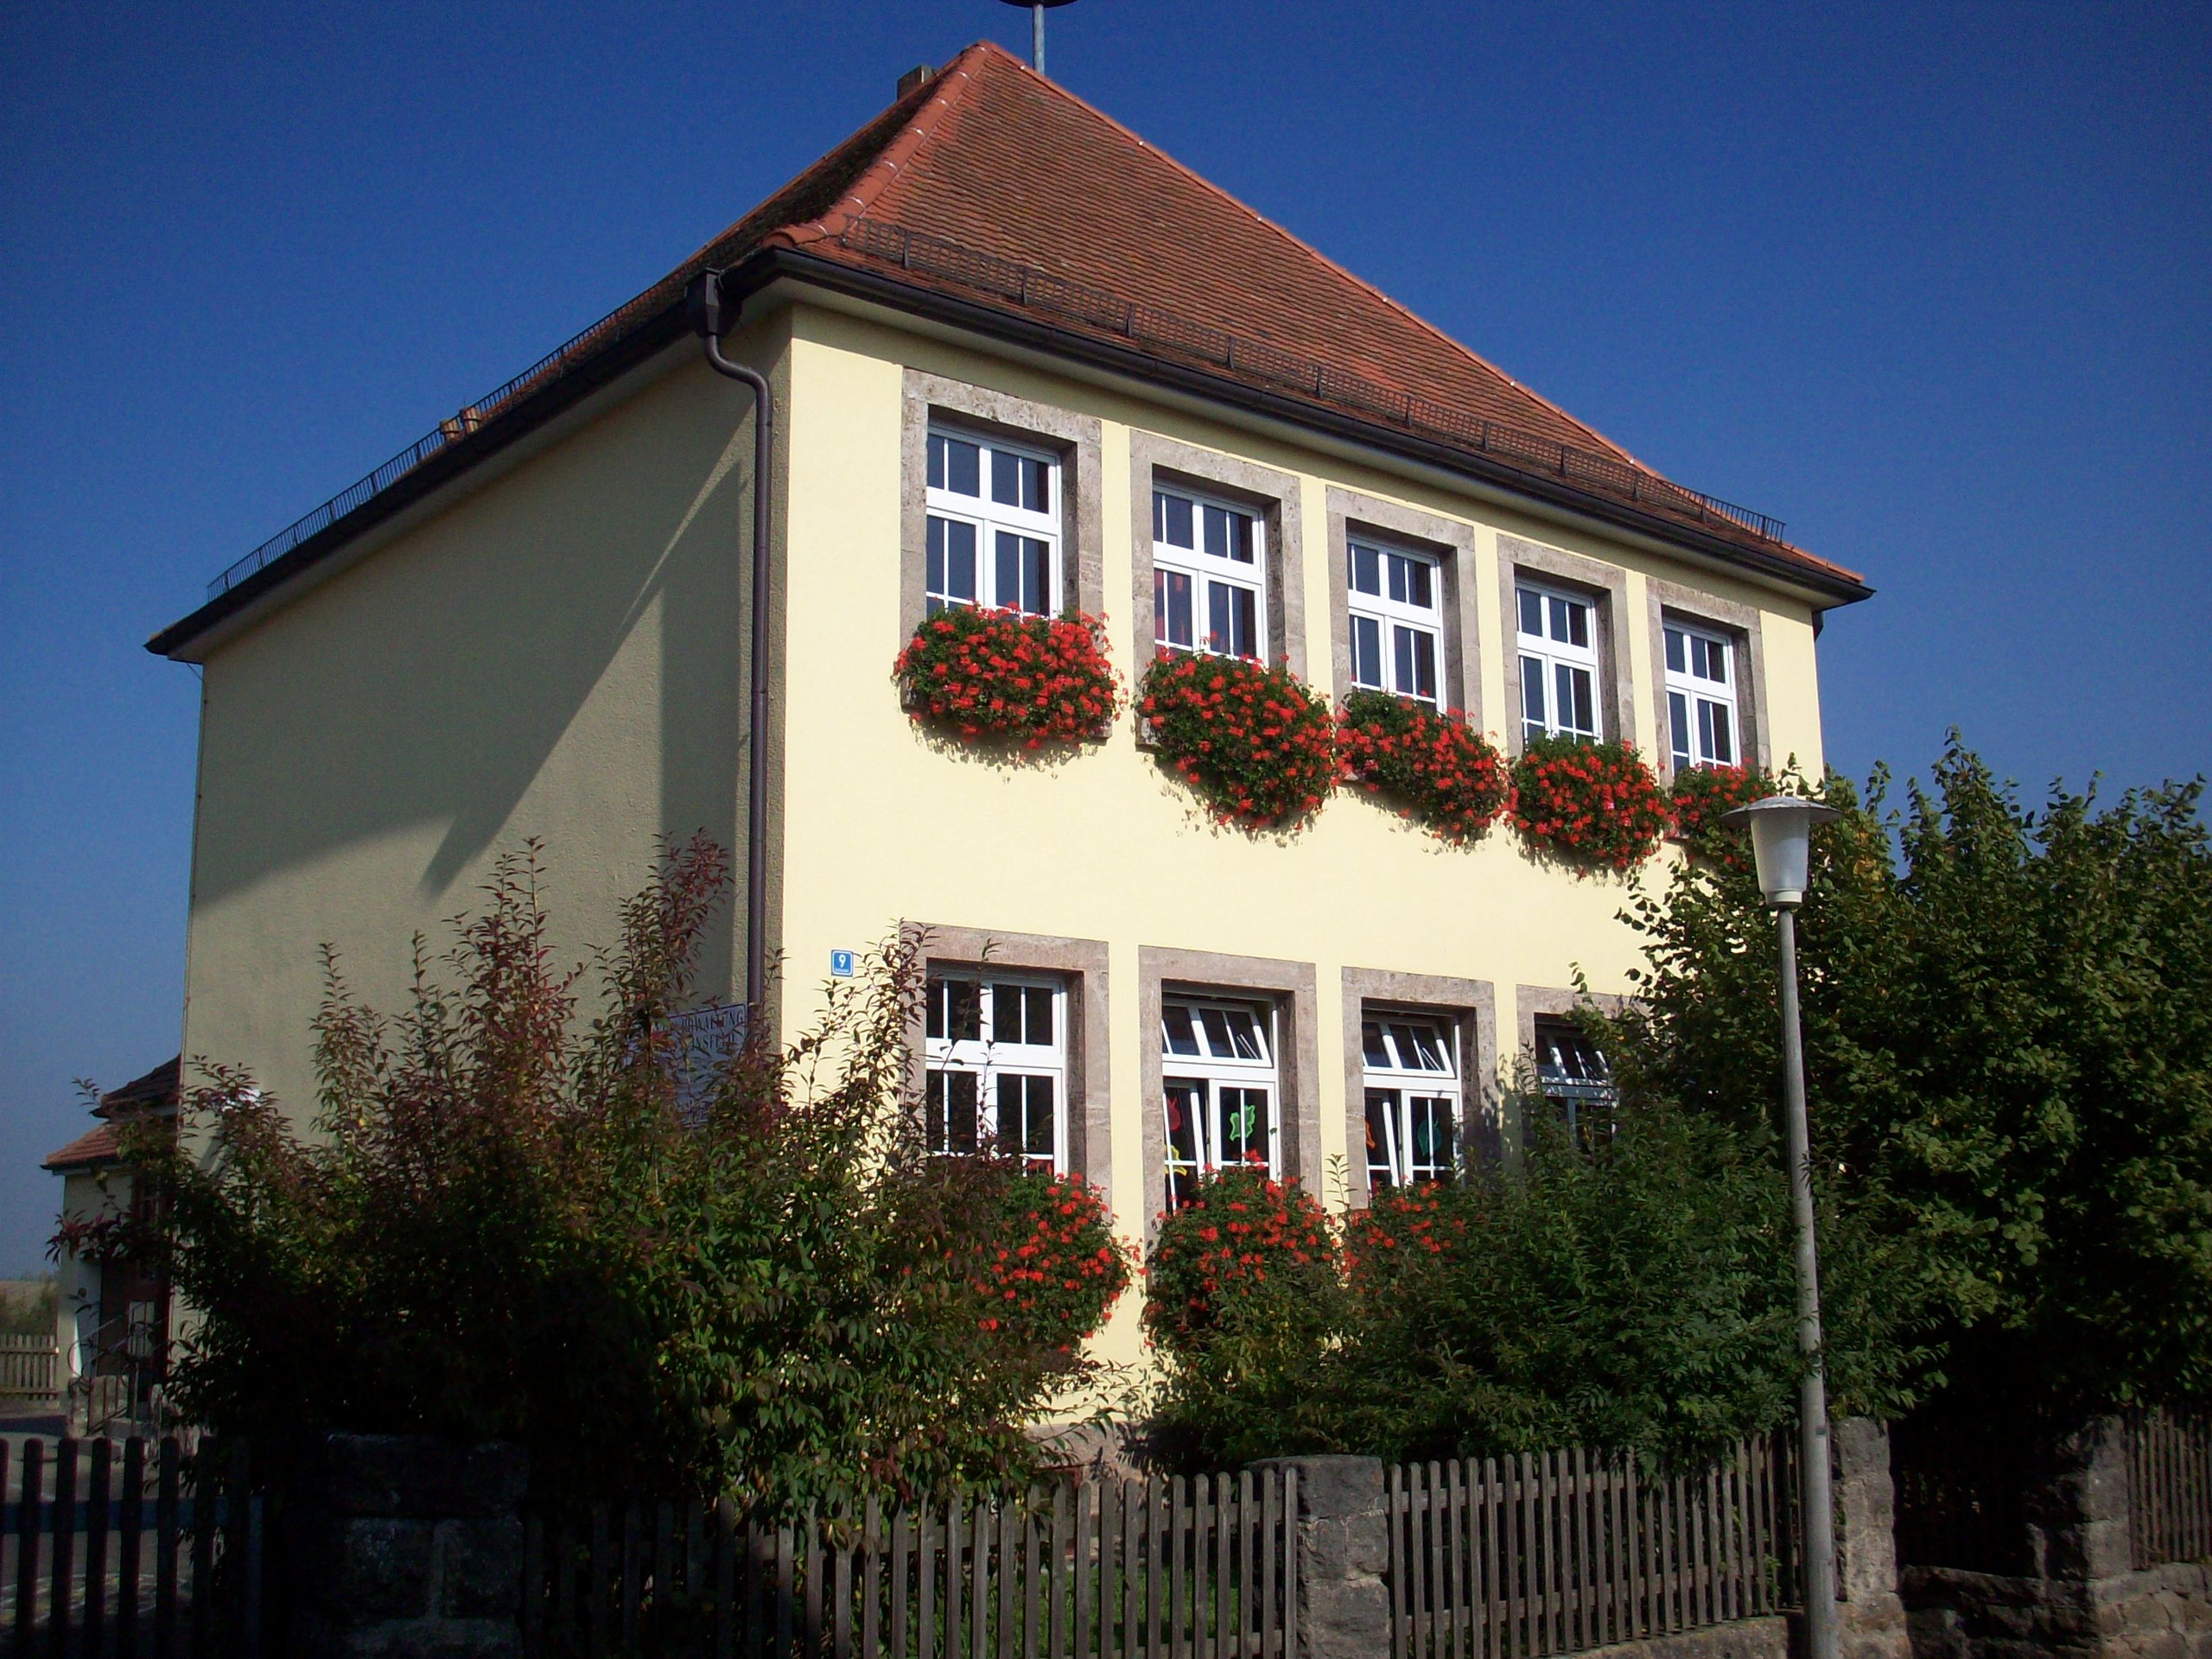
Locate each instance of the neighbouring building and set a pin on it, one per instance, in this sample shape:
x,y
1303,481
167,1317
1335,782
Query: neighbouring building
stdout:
x,y
112,1311
1018,358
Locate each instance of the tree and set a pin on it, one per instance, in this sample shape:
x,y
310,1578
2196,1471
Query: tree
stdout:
x,y
2008,1042
649,1258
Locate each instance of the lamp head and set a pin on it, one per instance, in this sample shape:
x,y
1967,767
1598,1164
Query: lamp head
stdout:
x,y
1782,833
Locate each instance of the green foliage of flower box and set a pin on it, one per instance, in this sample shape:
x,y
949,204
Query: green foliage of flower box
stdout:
x,y
1452,779
1257,744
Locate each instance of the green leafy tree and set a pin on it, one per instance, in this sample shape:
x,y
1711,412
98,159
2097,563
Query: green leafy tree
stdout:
x,y
2008,1031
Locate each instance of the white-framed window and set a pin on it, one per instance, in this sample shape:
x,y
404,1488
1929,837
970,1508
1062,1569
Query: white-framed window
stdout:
x,y
1208,576
994,529
1559,663
1572,1074
1394,597
1701,698
1220,1089
1411,1072
995,1066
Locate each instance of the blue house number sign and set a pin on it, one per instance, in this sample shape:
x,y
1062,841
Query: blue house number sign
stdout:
x,y
841,964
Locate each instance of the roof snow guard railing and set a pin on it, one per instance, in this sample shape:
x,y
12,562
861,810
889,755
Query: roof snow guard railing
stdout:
x,y
450,430
1039,291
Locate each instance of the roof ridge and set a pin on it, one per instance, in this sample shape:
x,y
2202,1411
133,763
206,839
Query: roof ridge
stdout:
x,y
991,48
950,85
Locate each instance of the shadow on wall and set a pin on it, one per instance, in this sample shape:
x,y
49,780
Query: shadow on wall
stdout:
x,y
562,653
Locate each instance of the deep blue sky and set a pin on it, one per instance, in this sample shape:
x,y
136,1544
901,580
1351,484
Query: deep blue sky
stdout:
x,y
1932,283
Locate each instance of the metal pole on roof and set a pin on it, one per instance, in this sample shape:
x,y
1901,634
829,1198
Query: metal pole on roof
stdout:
x,y
1036,10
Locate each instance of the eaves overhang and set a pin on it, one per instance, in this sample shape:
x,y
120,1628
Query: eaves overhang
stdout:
x,y
525,415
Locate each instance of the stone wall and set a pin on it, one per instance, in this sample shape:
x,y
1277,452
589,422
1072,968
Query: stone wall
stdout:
x,y
402,1546
2085,1595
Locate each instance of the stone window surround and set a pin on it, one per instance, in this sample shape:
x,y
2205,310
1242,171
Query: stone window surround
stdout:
x,y
1470,1004
1082,963
1607,584
1290,988
1460,677
1272,494
1074,438
1741,624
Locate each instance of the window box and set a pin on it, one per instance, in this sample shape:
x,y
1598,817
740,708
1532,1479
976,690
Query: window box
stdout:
x,y
1258,746
1453,779
1593,805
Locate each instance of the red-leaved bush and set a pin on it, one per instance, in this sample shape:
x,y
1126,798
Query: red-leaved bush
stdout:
x,y
1257,744
1452,779
1031,680
1242,1236
1595,806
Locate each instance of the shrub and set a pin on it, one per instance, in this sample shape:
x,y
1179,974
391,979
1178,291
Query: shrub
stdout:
x,y
1595,806
1238,1227
1452,779
1058,1269
1255,743
650,1257
1031,680
1700,794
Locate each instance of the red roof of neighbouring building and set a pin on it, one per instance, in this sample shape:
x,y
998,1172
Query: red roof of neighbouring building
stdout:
x,y
101,1144
155,1094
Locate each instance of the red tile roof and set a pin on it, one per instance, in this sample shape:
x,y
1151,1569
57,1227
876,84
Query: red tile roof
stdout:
x,y
1004,180
101,1144
157,1088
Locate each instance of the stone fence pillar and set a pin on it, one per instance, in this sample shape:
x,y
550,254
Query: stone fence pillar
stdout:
x,y
1343,1600
402,1546
1871,1614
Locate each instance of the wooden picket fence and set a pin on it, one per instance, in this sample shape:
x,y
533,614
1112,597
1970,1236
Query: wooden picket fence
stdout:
x,y
1199,1568
30,1368
2169,1488
1518,1557
137,1549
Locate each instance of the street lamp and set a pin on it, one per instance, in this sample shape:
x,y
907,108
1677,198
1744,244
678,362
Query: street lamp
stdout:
x,y
1782,827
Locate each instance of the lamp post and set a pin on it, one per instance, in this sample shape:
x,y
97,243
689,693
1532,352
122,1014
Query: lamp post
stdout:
x,y
1781,827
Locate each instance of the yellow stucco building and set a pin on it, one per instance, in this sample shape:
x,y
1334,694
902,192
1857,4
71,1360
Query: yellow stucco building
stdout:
x,y
1017,357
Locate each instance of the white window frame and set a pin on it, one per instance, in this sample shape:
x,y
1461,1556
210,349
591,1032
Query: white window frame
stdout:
x,y
1207,1074
1390,1068
989,1060
1698,707
1564,1078
1543,658
1394,622
1206,571
991,518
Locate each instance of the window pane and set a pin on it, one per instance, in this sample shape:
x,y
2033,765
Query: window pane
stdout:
x,y
1220,623
1006,1014
1244,1035
1577,626
1397,563
1674,651
1433,1151
939,993
959,561
1366,572
1171,609
1560,613
1027,1129
1532,614
1019,481
1217,535
963,1010
949,1117
1723,737
1366,651
1420,584
1181,1037
1678,724
937,461
1023,564
1245,1125
1217,1029
1038,1023
1586,716
1370,1043
1381,1137
1171,520
963,467
1243,622
1532,694
1416,664
933,580
1184,1101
